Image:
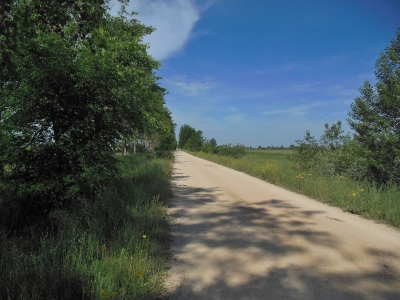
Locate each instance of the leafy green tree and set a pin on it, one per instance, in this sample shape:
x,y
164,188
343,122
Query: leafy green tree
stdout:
x,y
71,101
375,116
166,140
213,142
30,17
184,134
333,137
195,141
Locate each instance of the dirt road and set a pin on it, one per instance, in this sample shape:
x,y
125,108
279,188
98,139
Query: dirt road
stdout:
x,y
237,237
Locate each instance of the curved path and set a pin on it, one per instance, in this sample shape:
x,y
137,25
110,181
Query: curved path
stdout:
x,y
238,237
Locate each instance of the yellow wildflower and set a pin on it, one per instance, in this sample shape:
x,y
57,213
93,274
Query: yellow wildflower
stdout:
x,y
139,273
144,236
104,294
114,294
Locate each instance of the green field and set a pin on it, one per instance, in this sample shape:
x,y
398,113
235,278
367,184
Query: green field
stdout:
x,y
276,166
262,152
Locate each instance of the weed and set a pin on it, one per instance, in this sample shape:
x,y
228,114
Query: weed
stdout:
x,y
359,197
113,247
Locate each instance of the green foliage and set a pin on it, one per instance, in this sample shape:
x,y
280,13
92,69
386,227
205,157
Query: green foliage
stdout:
x,y
375,118
333,137
190,139
307,151
30,18
117,245
167,142
336,155
359,197
72,100
374,153
195,141
184,134
213,142
235,151
209,146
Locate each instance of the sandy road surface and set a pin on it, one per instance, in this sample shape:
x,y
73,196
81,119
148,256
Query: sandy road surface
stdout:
x,y
237,237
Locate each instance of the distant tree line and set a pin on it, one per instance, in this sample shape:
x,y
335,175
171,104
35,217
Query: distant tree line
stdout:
x,y
291,147
193,140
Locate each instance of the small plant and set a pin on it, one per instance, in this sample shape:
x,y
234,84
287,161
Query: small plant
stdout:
x,y
270,171
111,247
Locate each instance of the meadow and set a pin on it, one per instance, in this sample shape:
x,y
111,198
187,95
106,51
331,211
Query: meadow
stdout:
x,y
113,248
380,203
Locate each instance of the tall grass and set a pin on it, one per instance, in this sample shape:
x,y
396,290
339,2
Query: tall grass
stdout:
x,y
114,247
369,200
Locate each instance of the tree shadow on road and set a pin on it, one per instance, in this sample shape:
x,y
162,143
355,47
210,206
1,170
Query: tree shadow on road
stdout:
x,y
256,252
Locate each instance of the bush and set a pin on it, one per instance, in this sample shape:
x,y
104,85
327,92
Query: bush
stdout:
x,y
338,155
234,151
165,154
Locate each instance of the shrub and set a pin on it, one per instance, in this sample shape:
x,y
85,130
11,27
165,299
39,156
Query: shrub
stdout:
x,y
233,151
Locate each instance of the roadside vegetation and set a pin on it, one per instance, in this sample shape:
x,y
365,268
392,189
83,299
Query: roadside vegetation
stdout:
x,y
112,247
78,221
360,174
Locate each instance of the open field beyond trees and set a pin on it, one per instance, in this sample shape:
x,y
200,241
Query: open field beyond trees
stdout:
x,y
275,166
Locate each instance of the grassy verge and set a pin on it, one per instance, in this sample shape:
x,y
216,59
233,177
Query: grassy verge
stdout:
x,y
113,248
362,198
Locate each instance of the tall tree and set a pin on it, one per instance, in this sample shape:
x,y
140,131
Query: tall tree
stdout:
x,y
28,18
195,141
184,134
72,99
375,117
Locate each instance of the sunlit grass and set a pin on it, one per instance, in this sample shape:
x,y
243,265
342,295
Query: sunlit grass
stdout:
x,y
115,247
379,203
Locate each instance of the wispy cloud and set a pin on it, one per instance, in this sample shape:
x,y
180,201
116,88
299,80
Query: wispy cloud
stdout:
x,y
302,110
278,69
173,20
191,87
235,118
309,87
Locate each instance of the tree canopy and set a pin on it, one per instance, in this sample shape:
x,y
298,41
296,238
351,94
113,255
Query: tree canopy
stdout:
x,y
375,117
75,80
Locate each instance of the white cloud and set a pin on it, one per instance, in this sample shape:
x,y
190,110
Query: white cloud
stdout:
x,y
191,87
302,110
173,20
309,87
279,69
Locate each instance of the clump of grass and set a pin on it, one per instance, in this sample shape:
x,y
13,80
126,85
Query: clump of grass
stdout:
x,y
113,247
359,197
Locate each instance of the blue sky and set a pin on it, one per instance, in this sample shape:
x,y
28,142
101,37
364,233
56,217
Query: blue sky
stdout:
x,y
261,73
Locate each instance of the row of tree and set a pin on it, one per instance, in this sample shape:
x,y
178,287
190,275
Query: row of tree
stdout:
x,y
75,82
291,147
193,140
374,152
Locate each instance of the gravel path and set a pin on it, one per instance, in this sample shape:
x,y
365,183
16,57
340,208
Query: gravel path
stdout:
x,y
238,237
